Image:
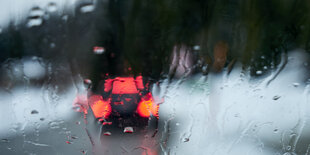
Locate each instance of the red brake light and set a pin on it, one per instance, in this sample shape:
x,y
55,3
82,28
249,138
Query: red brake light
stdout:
x,y
100,107
124,85
147,107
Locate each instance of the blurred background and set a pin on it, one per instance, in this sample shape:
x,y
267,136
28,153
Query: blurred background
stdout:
x,y
231,76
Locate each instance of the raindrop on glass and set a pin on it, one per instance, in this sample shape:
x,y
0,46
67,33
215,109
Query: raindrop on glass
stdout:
x,y
68,142
196,47
34,112
204,69
4,140
52,45
54,125
128,130
34,69
107,123
65,17
37,21
295,84
74,137
276,97
259,72
87,8
186,140
36,11
306,64
87,83
35,17
107,133
98,50
51,7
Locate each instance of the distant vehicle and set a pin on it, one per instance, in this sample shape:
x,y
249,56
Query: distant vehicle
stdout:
x,y
125,102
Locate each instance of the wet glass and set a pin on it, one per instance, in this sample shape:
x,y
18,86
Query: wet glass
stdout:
x,y
137,77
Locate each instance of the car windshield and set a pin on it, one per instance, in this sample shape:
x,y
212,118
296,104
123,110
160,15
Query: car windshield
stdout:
x,y
154,77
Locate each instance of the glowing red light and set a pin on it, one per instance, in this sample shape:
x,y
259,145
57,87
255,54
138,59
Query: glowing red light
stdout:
x,y
146,107
139,82
124,85
98,50
107,133
128,130
100,107
107,123
108,85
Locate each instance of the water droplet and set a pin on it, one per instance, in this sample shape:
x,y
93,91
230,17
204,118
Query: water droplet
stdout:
x,y
275,130
35,17
36,11
52,45
204,69
128,130
51,7
74,137
177,124
34,68
196,47
289,153
262,57
34,22
259,72
296,84
288,148
98,50
293,135
34,112
4,140
54,125
265,67
276,97
186,140
87,8
65,17
87,83
107,133
107,123
42,119
305,64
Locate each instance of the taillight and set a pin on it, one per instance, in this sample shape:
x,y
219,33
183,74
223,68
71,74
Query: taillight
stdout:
x,y
147,106
101,108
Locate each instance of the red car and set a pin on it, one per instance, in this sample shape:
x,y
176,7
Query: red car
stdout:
x,y
127,102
